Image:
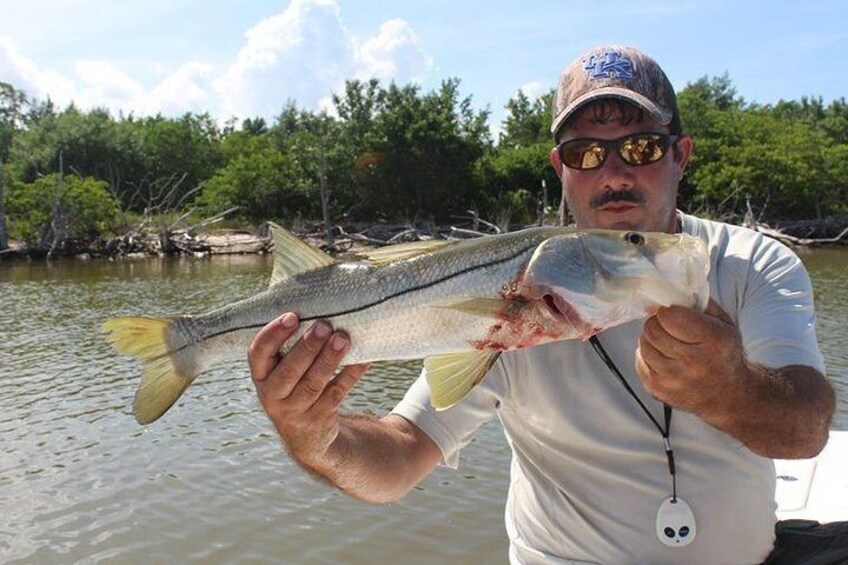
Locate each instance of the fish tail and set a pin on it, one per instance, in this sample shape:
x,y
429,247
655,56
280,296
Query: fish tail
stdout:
x,y
169,360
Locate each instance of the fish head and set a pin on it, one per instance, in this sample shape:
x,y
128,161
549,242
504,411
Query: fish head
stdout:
x,y
597,279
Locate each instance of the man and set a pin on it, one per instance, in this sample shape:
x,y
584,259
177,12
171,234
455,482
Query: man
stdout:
x,y
594,428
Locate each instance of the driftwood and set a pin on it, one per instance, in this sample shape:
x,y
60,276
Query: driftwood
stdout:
x,y
800,241
223,242
789,233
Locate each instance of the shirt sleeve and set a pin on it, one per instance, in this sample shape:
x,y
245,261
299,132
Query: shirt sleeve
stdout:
x,y
453,428
777,318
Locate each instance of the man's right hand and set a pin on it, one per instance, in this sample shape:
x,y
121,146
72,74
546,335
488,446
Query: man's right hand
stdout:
x,y
374,459
299,391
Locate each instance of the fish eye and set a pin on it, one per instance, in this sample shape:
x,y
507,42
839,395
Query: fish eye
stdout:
x,y
635,238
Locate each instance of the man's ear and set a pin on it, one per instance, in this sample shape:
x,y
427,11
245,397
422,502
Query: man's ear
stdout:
x,y
683,153
557,164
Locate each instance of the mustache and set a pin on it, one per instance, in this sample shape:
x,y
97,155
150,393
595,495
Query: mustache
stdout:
x,y
622,195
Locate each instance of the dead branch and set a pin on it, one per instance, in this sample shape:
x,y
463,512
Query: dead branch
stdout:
x,y
799,241
410,234
478,220
361,238
462,233
211,220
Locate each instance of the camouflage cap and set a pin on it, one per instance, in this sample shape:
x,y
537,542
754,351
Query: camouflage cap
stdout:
x,y
613,71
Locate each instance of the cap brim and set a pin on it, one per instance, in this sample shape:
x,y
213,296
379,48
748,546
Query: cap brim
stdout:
x,y
661,116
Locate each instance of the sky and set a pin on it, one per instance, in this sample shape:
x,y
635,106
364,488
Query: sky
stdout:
x,y
248,58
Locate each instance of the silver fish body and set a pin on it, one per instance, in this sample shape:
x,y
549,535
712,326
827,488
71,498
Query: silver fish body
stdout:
x,y
457,305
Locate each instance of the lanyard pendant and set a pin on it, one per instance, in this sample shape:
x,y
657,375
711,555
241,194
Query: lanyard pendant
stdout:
x,y
675,522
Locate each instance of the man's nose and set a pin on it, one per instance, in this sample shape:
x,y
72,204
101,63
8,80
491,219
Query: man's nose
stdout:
x,y
616,173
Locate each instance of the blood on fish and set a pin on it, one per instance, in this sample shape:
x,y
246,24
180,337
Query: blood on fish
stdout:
x,y
518,329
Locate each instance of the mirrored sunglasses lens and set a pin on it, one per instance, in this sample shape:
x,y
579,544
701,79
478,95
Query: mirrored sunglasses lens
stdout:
x,y
642,149
583,155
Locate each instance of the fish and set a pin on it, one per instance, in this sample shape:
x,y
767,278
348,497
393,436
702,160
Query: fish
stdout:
x,y
455,304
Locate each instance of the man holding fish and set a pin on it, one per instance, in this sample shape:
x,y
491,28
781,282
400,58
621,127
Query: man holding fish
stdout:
x,y
649,443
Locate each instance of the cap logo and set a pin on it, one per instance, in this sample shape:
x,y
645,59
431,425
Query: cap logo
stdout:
x,y
611,64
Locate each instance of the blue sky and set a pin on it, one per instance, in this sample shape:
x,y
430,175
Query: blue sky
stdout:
x,y
248,57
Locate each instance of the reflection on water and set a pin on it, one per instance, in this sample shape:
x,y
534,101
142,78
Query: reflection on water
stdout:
x,y
81,481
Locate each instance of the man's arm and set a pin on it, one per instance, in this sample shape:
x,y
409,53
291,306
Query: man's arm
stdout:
x,y
694,361
372,459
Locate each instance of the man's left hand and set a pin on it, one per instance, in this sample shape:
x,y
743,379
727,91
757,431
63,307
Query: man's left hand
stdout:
x,y
689,359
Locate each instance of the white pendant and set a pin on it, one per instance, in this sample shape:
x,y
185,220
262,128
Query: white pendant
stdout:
x,y
675,523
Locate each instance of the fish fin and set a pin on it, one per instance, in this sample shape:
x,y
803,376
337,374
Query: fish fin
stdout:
x,y
484,307
392,253
292,255
452,376
166,372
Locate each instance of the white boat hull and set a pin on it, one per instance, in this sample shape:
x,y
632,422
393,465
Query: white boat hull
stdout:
x,y
817,488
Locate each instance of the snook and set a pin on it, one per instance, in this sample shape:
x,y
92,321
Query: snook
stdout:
x,y
455,304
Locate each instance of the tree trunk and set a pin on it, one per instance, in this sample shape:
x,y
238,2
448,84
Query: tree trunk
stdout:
x,y
4,238
325,203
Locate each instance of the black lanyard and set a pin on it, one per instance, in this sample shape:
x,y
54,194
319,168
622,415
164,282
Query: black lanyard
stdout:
x,y
664,431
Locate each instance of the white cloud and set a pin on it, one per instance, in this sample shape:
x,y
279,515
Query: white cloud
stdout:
x,y
535,89
393,54
24,74
297,55
303,54
188,89
326,105
103,84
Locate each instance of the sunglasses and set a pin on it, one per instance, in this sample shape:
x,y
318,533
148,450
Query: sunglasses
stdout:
x,y
636,150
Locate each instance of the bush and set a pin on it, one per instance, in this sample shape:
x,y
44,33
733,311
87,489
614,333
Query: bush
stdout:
x,y
59,210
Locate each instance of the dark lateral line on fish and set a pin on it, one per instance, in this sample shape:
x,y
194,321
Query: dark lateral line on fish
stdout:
x,y
376,303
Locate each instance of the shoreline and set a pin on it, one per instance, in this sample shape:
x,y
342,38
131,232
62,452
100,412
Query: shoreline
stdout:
x,y
217,242
245,241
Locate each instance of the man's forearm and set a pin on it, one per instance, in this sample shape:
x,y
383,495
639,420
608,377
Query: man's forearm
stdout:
x,y
778,413
375,459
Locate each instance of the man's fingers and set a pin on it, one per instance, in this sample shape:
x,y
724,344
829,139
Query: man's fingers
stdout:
x,y
320,371
644,370
683,324
297,361
263,353
661,341
690,326
651,352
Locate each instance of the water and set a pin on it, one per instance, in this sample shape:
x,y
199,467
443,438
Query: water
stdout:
x,y
80,481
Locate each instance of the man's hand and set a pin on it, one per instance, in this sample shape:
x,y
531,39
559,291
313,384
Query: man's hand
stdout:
x,y
694,361
688,359
299,391
374,459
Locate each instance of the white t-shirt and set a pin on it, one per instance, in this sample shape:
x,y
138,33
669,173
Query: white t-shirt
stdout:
x,y
588,467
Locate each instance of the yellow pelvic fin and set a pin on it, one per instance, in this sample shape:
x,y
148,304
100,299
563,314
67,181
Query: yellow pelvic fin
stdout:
x,y
162,382
393,253
452,376
293,255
